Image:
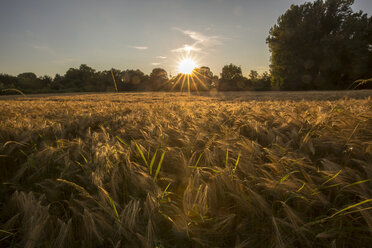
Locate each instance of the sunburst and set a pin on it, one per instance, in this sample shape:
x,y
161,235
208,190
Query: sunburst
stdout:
x,y
189,76
187,66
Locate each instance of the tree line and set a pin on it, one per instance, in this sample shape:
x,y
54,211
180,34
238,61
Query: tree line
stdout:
x,y
87,79
320,45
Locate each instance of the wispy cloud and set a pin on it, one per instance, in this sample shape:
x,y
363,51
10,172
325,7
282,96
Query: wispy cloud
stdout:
x,y
160,57
200,41
156,63
139,47
187,49
44,49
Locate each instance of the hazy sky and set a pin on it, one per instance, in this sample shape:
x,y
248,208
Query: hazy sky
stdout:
x,y
50,36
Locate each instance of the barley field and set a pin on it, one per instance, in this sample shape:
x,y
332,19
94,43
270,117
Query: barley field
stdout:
x,y
256,169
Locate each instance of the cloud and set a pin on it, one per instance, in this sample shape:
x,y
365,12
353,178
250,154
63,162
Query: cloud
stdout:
x,y
156,63
44,49
202,39
139,47
160,57
187,49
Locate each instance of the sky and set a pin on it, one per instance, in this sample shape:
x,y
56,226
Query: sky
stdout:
x,y
50,36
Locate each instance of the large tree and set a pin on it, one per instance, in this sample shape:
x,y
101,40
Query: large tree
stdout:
x,y
320,45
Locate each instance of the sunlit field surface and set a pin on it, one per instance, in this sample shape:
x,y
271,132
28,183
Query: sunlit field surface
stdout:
x,y
256,169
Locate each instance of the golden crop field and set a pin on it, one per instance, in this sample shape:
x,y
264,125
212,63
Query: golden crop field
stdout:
x,y
255,169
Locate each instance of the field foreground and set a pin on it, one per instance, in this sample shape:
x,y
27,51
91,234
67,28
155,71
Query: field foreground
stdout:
x,y
178,170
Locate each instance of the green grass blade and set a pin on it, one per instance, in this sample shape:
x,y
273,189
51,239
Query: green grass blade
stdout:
x,y
332,177
111,202
159,166
349,207
85,159
121,141
286,176
166,188
359,210
237,162
80,164
303,185
197,162
114,207
141,153
227,156
152,161
341,211
165,191
356,183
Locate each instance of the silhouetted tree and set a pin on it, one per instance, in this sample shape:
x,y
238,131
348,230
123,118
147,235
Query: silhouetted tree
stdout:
x,y
8,81
253,75
107,82
232,79
82,79
320,45
29,82
134,80
158,79
260,82
203,76
46,81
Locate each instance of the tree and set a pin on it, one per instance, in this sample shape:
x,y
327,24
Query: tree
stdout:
x,y
158,79
29,82
8,81
253,75
320,45
203,76
133,80
46,81
232,79
107,81
261,82
82,79
231,72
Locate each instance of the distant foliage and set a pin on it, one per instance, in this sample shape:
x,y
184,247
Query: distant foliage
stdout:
x,y
86,79
232,79
158,79
320,45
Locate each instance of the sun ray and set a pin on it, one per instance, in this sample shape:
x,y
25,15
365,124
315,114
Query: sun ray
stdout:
x,y
204,76
190,74
195,85
183,81
201,81
176,83
188,82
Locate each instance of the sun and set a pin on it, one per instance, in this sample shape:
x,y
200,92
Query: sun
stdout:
x,y
187,66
